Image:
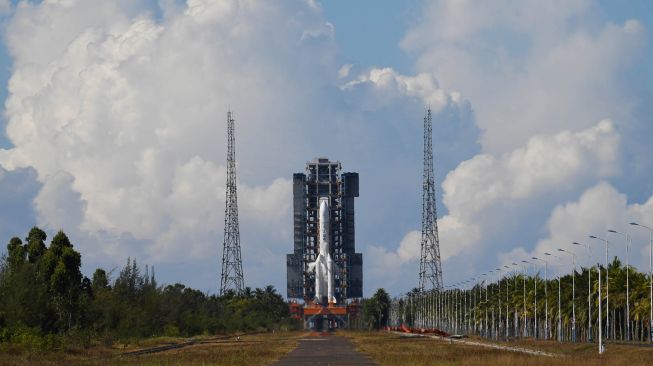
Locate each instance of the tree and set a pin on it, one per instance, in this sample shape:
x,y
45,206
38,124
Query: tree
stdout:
x,y
16,253
35,244
100,280
376,309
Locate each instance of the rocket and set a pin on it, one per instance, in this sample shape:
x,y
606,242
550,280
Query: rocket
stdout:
x,y
324,266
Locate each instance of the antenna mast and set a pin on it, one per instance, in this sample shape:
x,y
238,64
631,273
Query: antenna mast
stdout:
x,y
232,265
430,269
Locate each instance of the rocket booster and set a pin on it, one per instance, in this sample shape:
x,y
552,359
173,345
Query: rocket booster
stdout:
x,y
324,266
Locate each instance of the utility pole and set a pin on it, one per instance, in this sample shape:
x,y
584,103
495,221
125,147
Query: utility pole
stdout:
x,y
430,268
232,265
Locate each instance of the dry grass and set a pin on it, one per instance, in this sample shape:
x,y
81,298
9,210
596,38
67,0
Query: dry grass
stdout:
x,y
260,349
393,349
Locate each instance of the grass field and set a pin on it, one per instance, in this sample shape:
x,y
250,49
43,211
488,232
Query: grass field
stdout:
x,y
393,349
259,349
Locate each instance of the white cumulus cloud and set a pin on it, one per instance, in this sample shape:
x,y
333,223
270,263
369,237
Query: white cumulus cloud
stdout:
x,y
600,208
529,67
122,117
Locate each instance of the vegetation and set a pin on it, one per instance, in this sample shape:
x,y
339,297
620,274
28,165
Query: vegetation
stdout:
x,y
46,302
375,310
470,305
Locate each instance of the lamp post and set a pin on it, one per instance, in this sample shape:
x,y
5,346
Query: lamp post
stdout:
x,y
535,307
507,302
559,307
485,327
493,331
589,290
627,237
607,288
650,274
515,313
498,271
573,295
601,348
546,299
524,298
516,321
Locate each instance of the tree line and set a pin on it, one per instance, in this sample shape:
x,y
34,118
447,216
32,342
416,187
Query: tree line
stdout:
x,y
509,306
43,294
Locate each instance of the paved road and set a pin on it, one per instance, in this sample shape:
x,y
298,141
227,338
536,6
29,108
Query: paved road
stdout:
x,y
324,350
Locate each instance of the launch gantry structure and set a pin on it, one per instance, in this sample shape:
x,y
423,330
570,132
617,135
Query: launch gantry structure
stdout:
x,y
324,179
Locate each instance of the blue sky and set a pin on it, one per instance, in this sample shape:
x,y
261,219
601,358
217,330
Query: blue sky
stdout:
x,y
115,126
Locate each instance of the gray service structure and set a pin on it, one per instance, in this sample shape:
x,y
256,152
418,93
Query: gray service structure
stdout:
x,y
323,178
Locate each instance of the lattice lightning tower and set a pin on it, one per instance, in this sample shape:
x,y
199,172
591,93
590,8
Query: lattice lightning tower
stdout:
x,y
232,266
430,269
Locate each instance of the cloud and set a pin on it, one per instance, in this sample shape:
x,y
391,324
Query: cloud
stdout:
x,y
599,208
118,115
393,268
5,7
58,205
529,67
424,86
546,170
121,117
492,201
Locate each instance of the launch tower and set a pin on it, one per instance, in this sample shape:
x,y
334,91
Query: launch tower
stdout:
x,y
323,179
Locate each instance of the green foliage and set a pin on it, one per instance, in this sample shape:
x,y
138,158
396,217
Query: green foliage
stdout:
x,y
47,304
520,291
376,309
35,244
16,253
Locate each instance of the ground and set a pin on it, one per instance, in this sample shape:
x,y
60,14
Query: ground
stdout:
x,y
382,348
258,349
394,349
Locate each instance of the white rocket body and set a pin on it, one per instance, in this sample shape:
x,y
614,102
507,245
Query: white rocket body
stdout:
x,y
324,266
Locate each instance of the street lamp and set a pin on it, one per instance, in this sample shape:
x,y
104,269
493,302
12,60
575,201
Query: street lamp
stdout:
x,y
546,299
650,274
493,332
601,347
607,288
507,301
498,270
627,237
486,304
523,297
573,295
559,307
589,290
535,308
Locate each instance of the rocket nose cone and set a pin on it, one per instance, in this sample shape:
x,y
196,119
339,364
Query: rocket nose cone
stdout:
x,y
324,206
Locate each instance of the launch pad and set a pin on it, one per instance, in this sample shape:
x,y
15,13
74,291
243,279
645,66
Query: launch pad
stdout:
x,y
323,318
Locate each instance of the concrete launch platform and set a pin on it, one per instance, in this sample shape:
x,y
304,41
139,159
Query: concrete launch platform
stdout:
x,y
324,350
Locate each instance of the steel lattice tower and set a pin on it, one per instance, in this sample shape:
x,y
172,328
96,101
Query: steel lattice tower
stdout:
x,y
232,265
430,269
